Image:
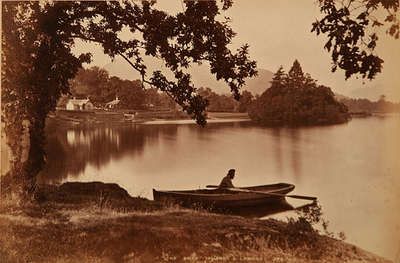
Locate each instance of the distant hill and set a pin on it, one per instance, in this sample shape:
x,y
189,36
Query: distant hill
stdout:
x,y
201,76
262,82
369,92
340,97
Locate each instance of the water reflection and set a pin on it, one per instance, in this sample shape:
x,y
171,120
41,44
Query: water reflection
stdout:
x,y
295,139
70,149
261,211
278,148
351,167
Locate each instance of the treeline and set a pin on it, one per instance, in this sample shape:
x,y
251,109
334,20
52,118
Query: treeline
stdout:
x,y
294,98
96,84
226,103
367,106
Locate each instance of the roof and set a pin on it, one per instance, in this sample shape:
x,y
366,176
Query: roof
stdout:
x,y
78,101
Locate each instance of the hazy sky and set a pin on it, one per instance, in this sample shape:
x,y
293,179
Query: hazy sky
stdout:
x,y
279,32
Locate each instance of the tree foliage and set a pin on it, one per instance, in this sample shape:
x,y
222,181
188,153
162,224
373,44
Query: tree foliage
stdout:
x,y
246,99
365,106
157,98
93,83
352,30
36,65
37,62
296,99
193,36
226,103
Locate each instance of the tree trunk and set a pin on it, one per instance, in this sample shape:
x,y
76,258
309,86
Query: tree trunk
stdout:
x,y
18,184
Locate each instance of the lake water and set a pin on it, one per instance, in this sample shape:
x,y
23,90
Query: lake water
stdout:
x,y
353,168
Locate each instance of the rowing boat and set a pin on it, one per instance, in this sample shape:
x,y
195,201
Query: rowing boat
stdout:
x,y
227,198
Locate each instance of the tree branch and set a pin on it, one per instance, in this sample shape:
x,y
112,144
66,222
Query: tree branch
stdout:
x,y
119,53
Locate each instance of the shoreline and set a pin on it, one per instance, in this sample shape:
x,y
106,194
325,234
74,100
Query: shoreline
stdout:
x,y
76,118
97,222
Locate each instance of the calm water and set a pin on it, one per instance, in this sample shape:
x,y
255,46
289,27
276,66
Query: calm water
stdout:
x,y
353,168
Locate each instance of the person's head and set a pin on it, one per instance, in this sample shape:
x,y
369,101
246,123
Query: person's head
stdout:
x,y
231,173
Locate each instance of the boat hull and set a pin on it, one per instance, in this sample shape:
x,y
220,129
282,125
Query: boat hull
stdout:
x,y
224,198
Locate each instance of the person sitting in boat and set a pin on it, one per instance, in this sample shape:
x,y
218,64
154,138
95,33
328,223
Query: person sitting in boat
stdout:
x,y
227,180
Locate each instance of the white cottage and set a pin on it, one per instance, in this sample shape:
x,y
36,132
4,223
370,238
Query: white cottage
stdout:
x,y
79,104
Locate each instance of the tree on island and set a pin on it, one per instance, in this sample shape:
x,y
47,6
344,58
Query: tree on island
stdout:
x,y
37,61
296,99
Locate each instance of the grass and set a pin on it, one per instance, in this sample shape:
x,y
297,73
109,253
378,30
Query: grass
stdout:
x,y
108,227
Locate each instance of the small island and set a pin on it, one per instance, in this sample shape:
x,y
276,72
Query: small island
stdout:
x,y
78,153
295,99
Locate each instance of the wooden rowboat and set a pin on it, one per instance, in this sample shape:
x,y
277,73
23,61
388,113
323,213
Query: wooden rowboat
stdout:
x,y
227,198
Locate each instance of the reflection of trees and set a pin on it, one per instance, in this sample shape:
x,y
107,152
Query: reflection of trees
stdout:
x,y
211,128
276,132
295,152
286,145
70,150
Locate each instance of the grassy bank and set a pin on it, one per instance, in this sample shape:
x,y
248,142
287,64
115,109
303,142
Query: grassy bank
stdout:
x,y
97,222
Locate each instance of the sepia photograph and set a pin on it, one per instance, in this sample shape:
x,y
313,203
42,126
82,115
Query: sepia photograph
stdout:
x,y
200,131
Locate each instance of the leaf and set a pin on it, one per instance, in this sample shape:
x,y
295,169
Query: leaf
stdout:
x,y
328,44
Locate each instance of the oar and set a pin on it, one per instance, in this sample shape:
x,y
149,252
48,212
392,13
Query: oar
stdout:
x,y
265,193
